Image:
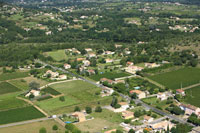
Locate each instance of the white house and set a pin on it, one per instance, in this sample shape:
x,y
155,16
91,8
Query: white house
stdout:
x,y
162,96
109,60
86,62
133,69
67,66
53,74
140,94
147,119
189,109
124,107
34,92
180,91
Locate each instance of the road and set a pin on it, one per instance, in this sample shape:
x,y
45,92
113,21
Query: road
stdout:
x,y
124,96
24,122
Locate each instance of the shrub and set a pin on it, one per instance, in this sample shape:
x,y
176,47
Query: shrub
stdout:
x,y
98,109
62,98
77,109
55,127
88,110
42,130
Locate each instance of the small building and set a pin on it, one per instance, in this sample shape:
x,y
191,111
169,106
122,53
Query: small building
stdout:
x,y
129,63
62,77
80,59
53,74
162,96
33,92
88,49
107,80
147,119
124,107
91,71
119,81
109,53
109,60
67,66
118,46
140,94
163,125
80,116
151,65
180,91
106,91
86,62
189,109
133,69
91,55
127,115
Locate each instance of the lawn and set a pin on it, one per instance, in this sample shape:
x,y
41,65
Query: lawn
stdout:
x,y
6,87
155,102
19,114
174,79
15,75
51,91
109,75
192,96
9,101
35,127
57,55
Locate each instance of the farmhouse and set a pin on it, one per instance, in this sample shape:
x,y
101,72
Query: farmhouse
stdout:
x,y
180,91
127,115
140,94
189,109
109,60
33,92
147,119
161,125
86,63
67,66
151,65
133,69
106,80
53,74
80,116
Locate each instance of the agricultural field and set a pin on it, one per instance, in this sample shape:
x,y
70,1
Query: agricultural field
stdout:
x,y
15,75
57,55
109,75
19,114
192,96
35,127
6,87
76,93
174,79
20,83
104,119
51,91
9,101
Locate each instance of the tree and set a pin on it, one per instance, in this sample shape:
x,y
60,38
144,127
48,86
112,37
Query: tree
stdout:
x,y
88,110
134,96
55,127
42,130
114,101
62,98
34,85
131,131
77,109
119,131
38,65
98,109
31,96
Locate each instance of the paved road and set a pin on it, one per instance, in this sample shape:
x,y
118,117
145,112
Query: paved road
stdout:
x,y
124,96
24,122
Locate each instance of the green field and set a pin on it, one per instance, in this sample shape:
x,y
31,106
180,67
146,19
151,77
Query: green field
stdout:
x,y
192,96
57,55
76,93
19,114
174,79
9,101
109,75
15,75
51,91
6,87
19,84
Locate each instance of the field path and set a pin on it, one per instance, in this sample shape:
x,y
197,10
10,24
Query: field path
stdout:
x,y
191,86
26,100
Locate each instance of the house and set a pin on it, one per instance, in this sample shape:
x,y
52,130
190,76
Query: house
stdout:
x,y
53,74
106,80
86,62
118,46
109,60
163,125
151,65
88,49
80,116
127,52
124,107
140,94
162,96
67,66
119,81
90,71
127,115
147,119
62,77
133,69
48,33
111,131
34,92
106,91
90,55
189,109
180,91
80,59
129,63
109,53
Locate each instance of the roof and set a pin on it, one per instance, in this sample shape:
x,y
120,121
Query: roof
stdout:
x,y
161,124
123,103
80,116
91,71
80,59
136,91
146,117
127,113
189,106
179,90
108,80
